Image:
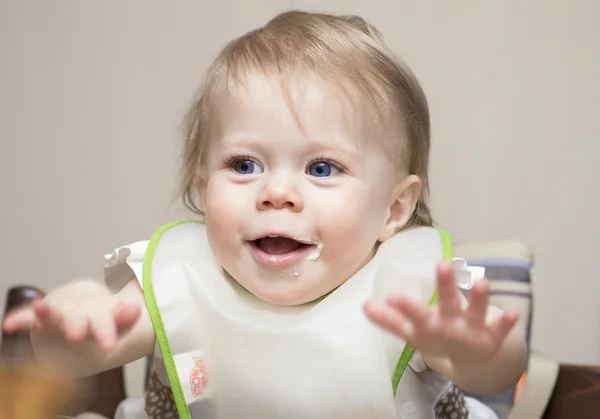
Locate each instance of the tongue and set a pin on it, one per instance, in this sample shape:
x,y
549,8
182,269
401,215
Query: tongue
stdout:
x,y
278,245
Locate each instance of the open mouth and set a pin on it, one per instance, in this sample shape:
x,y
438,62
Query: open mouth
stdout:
x,y
280,250
278,245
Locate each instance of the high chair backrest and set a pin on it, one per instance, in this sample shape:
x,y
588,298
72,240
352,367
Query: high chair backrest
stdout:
x,y
507,266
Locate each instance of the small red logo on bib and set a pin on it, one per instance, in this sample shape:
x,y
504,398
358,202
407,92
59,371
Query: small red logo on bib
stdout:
x,y
198,378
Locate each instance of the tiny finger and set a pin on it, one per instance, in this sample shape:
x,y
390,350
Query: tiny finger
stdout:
x,y
415,313
75,328
46,315
104,330
504,324
478,303
389,319
126,315
448,301
20,319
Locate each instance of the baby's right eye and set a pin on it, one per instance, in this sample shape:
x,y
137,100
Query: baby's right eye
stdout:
x,y
246,166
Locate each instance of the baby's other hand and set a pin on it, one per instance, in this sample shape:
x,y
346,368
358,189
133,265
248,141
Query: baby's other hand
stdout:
x,y
459,330
77,311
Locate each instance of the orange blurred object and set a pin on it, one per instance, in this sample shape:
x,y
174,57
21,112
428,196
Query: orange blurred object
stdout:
x,y
519,387
30,392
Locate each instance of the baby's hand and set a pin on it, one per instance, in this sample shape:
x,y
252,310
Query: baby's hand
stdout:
x,y
77,311
453,329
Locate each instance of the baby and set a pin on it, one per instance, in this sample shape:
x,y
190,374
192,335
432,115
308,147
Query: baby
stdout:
x,y
315,285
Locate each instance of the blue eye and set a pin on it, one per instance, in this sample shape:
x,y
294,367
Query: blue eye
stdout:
x,y
246,167
320,169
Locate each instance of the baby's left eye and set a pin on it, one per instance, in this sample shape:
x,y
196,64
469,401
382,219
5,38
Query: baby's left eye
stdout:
x,y
321,169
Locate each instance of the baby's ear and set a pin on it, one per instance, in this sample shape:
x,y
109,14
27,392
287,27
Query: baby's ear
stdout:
x,y
403,202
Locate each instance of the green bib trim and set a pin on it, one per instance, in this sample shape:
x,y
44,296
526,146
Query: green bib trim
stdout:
x,y
163,340
159,327
408,351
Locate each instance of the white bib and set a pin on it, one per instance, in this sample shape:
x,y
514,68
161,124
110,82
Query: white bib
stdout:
x,y
230,355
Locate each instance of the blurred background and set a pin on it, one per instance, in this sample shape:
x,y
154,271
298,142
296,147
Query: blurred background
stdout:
x,y
92,95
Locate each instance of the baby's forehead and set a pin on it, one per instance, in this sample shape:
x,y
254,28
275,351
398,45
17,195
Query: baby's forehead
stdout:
x,y
312,103
301,92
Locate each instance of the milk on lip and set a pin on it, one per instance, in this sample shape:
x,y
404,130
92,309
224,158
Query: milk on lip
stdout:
x,y
318,248
316,253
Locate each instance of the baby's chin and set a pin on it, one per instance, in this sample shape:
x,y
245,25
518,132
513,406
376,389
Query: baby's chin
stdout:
x,y
289,299
281,294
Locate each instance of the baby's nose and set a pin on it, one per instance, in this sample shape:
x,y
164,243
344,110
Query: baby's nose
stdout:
x,y
280,195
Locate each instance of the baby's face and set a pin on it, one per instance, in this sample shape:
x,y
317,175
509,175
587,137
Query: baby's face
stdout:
x,y
295,201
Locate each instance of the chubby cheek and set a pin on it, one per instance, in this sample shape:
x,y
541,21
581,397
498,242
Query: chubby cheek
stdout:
x,y
223,211
350,231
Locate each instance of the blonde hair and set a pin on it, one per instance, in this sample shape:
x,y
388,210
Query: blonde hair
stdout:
x,y
344,51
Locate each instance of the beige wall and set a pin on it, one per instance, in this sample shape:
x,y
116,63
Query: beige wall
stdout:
x,y
91,95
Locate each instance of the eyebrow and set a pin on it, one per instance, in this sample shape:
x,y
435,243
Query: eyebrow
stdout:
x,y
249,142
232,142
